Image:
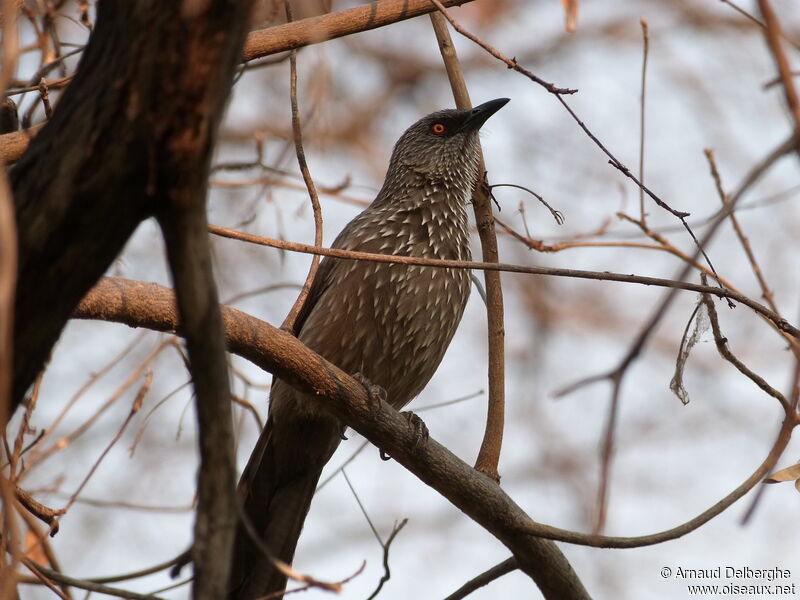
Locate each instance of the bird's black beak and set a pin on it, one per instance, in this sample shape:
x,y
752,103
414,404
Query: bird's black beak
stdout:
x,y
477,116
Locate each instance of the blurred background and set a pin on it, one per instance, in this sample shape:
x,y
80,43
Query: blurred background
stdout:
x,y
707,77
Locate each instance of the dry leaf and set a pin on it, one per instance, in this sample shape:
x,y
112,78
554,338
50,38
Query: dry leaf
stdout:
x,y
788,474
700,318
570,14
34,549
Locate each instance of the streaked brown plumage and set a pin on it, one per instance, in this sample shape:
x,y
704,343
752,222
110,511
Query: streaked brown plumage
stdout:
x,y
390,323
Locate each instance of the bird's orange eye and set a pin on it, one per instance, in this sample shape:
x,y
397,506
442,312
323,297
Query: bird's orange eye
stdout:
x,y
438,128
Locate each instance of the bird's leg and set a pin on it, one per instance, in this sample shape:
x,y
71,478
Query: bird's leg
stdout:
x,y
375,394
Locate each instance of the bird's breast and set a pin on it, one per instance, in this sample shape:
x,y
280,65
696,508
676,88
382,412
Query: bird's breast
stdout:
x,y
392,322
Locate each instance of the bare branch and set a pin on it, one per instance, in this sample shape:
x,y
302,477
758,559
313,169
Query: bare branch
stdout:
x,y
489,454
84,584
781,323
504,568
282,354
297,133
150,305
333,25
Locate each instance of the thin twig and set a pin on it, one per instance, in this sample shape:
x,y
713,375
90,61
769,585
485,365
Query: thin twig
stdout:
x,y
557,214
387,574
510,62
24,428
765,291
743,12
84,584
134,574
774,34
250,408
148,417
722,346
122,504
261,290
135,406
794,391
642,97
45,576
489,453
781,323
507,566
559,95
362,508
755,20
341,467
297,132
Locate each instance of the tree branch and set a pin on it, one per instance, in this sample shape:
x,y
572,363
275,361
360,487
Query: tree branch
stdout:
x,y
150,305
282,38
334,25
780,323
489,454
485,578
75,212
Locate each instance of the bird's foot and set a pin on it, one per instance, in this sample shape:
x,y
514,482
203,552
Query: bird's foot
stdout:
x,y
421,433
375,393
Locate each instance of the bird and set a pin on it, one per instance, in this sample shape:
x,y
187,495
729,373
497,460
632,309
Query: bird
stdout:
x,y
388,323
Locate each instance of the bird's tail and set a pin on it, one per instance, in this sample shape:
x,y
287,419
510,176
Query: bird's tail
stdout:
x,y
275,493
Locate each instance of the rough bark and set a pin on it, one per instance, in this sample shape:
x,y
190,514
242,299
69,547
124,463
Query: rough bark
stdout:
x,y
132,137
151,84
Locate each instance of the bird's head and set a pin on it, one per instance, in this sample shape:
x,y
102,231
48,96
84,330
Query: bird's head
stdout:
x,y
442,145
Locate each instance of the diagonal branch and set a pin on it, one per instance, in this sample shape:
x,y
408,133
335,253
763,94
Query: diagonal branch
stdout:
x,y
774,34
150,305
507,566
315,30
559,94
722,347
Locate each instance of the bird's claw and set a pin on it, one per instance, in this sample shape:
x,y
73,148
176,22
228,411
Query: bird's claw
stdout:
x,y
421,433
375,393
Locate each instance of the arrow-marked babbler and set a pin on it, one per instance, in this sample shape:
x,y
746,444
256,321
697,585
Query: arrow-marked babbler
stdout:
x,y
390,323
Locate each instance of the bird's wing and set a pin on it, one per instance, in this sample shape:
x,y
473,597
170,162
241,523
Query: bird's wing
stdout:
x,y
350,238
322,281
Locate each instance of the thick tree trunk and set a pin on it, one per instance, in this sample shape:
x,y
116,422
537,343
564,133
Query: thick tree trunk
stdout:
x,y
132,137
136,122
